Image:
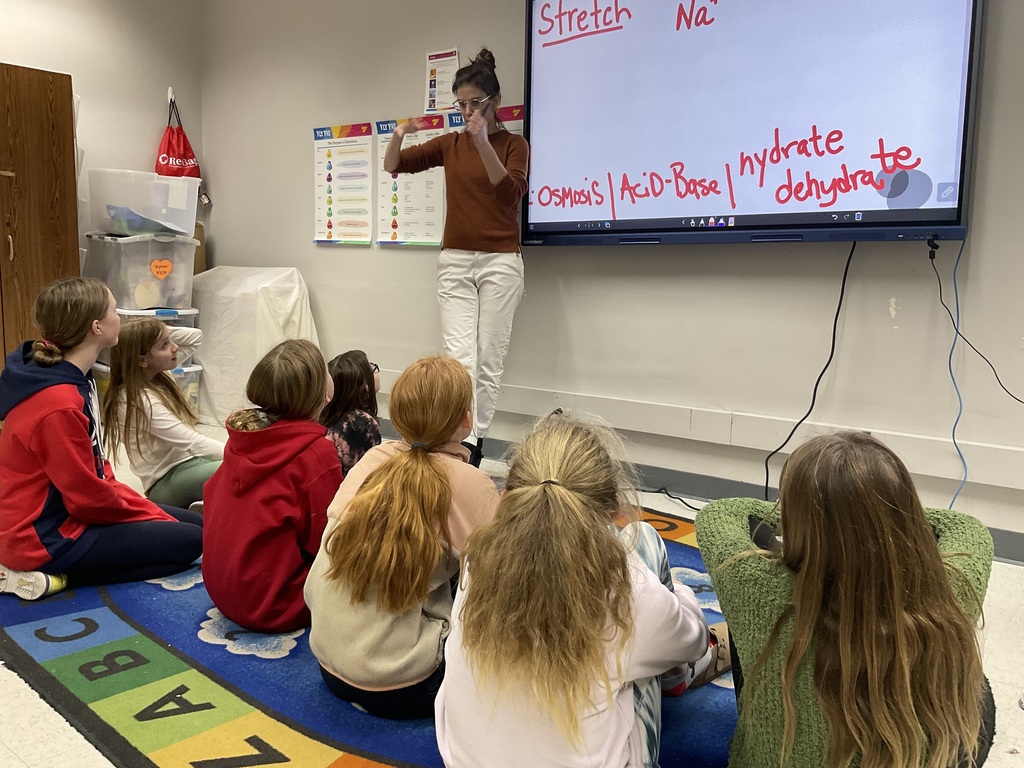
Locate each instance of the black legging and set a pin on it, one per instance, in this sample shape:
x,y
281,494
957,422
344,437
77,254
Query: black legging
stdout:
x,y
140,550
413,701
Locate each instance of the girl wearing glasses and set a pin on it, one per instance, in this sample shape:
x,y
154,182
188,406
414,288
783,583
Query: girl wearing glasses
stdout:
x,y
480,268
351,415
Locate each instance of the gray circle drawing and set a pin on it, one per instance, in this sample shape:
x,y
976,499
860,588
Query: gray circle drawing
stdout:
x,y
906,189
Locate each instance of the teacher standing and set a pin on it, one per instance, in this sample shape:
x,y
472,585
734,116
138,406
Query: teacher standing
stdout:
x,y
480,268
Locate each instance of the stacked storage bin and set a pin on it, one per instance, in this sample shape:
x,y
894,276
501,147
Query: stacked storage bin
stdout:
x,y
143,249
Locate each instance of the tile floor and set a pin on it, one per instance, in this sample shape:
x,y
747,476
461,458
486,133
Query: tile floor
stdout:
x,y
32,735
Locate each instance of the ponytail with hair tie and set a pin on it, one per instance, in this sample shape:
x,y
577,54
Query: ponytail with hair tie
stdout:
x,y
46,353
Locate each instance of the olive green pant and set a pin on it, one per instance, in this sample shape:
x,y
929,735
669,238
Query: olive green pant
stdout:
x,y
183,484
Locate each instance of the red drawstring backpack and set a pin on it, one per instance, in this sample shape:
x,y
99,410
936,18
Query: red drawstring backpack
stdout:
x,y
175,156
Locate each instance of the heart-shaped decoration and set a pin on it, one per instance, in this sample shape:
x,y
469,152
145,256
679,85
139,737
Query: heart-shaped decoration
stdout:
x,y
147,294
161,268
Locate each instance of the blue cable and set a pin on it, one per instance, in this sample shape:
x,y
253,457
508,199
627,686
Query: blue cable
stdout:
x,y
952,376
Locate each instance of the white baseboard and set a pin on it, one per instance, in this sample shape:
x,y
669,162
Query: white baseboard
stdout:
x,y
928,455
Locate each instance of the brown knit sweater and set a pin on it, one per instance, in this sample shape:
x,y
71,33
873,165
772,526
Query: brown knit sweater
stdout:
x,y
480,216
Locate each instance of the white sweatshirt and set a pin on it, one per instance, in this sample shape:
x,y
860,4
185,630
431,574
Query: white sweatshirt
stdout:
x,y
171,442
475,728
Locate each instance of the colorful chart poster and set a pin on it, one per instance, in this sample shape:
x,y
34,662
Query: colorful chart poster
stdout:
x,y
343,200
512,118
441,69
410,206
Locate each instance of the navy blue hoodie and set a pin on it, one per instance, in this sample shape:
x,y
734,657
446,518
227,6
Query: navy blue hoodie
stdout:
x,y
54,480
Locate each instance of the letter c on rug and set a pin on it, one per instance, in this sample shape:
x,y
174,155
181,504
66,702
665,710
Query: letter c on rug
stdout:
x,y
88,627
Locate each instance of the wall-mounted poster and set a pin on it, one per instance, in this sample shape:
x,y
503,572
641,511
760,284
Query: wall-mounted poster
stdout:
x,y
441,69
342,179
410,206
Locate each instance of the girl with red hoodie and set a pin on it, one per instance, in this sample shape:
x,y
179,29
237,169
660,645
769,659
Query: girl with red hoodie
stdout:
x,y
64,517
266,507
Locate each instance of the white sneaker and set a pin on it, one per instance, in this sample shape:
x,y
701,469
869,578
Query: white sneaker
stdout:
x,y
196,506
31,585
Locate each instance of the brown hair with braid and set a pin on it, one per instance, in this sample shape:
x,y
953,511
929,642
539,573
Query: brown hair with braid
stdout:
x,y
64,310
289,382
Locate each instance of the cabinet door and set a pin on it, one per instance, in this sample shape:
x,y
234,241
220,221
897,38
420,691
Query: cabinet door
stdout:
x,y
38,199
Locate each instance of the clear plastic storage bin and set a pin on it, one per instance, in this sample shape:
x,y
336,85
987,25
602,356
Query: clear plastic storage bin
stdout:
x,y
180,317
187,377
143,272
140,203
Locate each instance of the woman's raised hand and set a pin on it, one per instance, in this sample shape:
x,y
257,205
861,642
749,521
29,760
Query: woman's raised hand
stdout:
x,y
477,127
409,126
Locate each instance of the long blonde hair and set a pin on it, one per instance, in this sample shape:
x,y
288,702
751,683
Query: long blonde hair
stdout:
x,y
395,529
128,384
897,665
549,576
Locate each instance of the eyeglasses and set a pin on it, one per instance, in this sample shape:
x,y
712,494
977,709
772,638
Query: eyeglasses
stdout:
x,y
374,367
473,104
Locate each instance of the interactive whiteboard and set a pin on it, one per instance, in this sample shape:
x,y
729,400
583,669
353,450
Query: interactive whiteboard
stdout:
x,y
734,120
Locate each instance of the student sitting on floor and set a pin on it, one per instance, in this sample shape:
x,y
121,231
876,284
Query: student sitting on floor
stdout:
x,y
266,507
351,416
380,588
64,518
856,634
562,622
145,411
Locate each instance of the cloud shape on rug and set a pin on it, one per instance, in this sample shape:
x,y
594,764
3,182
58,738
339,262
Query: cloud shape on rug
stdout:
x,y
180,581
219,630
700,583
724,681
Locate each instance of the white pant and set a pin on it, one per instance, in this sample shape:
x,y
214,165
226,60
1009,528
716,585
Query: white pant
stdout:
x,y
478,293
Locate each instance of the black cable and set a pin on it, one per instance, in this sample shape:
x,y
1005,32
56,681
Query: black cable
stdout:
x,y
931,258
680,499
814,392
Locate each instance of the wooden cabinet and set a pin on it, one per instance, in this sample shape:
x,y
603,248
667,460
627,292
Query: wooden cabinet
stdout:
x,y
38,198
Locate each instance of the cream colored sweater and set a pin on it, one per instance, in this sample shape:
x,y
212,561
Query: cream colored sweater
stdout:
x,y
371,648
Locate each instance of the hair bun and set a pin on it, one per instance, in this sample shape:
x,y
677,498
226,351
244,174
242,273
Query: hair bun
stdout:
x,y
485,58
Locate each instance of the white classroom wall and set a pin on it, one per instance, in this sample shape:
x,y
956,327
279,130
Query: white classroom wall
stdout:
x,y
122,56
706,355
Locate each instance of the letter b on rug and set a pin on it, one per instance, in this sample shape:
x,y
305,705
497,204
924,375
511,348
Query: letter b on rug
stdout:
x,y
111,664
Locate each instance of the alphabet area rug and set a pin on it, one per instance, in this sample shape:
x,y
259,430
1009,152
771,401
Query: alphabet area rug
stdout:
x,y
153,675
